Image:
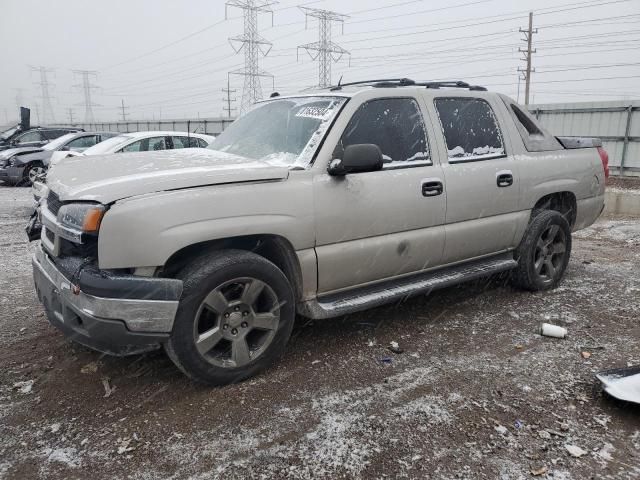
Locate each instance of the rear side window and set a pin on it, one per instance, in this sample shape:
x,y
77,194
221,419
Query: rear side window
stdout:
x,y
395,125
526,121
29,137
185,142
470,129
144,145
82,142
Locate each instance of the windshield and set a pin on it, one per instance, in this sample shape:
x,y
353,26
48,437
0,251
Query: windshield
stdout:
x,y
108,146
58,142
7,133
281,132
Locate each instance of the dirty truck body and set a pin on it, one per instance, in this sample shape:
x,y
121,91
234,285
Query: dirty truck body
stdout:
x,y
344,200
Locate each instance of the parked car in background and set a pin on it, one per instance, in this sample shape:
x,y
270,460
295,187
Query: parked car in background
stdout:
x,y
34,137
143,142
23,165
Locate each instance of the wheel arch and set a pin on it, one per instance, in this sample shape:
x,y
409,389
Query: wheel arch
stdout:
x,y
564,202
275,248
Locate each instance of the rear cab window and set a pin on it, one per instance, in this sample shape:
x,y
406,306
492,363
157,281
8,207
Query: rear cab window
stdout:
x,y
470,129
395,125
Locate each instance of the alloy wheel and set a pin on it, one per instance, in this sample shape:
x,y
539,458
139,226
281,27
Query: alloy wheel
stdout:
x,y
550,253
236,322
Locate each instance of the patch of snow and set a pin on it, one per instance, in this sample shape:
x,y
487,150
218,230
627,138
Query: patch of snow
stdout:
x,y
66,456
24,387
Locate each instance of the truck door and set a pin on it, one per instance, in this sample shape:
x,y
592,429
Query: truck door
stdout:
x,y
481,176
376,225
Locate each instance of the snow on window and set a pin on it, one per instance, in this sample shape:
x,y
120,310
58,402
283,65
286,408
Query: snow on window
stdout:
x,y
393,124
470,128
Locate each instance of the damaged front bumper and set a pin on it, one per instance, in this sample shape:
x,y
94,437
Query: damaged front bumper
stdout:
x,y
114,314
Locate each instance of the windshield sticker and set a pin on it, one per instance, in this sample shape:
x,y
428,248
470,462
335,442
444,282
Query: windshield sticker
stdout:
x,y
313,112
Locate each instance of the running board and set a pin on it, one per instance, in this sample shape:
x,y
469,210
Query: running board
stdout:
x,y
335,305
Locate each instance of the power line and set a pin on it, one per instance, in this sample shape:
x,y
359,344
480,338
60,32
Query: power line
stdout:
x,y
252,44
326,51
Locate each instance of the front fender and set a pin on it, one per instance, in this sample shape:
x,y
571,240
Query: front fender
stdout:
x,y
146,231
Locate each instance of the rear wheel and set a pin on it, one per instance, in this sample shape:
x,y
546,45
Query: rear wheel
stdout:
x,y
234,319
543,254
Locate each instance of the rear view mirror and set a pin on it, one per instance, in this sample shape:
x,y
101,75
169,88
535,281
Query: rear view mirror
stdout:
x,y
365,157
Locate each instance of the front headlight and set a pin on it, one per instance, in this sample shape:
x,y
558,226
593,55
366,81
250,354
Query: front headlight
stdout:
x,y
85,217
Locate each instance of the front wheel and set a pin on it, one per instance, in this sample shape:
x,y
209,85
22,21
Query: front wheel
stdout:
x,y
234,319
543,254
32,173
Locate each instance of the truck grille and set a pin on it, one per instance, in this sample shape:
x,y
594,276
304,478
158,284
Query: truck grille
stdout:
x,y
53,203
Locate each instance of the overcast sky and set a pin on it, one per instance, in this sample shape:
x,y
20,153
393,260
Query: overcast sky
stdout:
x,y
586,51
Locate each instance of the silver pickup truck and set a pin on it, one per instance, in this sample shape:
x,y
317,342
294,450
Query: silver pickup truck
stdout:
x,y
320,205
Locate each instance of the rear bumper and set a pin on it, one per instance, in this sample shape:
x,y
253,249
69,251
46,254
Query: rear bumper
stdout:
x,y
117,326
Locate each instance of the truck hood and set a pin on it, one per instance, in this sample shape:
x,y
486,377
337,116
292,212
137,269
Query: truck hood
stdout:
x,y
107,178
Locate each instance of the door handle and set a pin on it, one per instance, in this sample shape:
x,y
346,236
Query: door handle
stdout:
x,y
432,188
504,179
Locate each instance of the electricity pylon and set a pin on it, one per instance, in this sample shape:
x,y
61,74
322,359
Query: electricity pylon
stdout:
x,y
324,50
254,46
86,87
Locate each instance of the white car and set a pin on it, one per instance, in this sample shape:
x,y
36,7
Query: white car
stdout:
x,y
142,142
131,142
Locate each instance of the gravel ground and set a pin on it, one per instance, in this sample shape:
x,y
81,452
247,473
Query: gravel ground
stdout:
x,y
477,392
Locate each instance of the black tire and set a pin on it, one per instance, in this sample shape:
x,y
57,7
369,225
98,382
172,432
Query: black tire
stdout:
x,y
542,260
208,274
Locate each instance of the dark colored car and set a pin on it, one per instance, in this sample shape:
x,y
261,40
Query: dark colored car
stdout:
x,y
34,137
23,165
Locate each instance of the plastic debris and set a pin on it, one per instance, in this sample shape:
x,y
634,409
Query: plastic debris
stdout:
x,y
108,389
622,383
501,429
586,355
548,330
90,368
386,360
544,435
575,451
519,424
395,348
536,472
24,387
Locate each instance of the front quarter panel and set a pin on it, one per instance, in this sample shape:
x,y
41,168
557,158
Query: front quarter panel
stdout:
x,y
145,231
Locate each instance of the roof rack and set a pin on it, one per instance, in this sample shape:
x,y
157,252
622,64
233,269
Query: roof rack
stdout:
x,y
407,82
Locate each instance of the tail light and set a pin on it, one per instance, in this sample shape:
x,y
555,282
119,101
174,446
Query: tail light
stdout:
x,y
604,157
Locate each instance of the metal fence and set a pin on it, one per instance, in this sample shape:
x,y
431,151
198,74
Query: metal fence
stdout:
x,y
210,126
616,123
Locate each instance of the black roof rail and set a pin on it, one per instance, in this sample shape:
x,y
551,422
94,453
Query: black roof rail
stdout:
x,y
407,82
402,82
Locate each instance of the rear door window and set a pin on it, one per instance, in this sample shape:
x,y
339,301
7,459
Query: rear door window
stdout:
x,y
395,125
146,144
470,129
184,142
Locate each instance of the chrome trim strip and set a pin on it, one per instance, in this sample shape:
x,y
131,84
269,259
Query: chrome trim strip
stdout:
x,y
155,316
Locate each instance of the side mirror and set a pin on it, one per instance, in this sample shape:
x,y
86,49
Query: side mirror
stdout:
x,y
65,148
365,157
